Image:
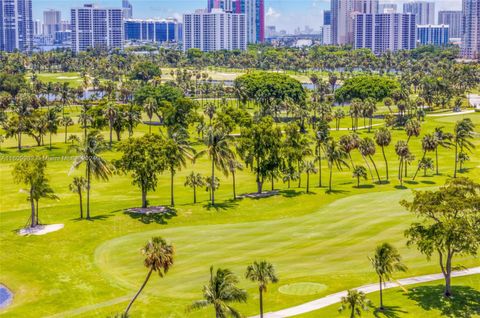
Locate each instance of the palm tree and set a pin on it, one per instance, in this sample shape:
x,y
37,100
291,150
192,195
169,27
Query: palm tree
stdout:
x,y
233,167
159,256
194,181
426,164
385,262
349,143
321,136
263,273
78,185
358,173
429,143
443,139
96,166
150,107
220,292
383,138
309,168
367,149
218,149
335,157
66,121
210,110
111,113
412,128
355,301
462,133
402,151
52,121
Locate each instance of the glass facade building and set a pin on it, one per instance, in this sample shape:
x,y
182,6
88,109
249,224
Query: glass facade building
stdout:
x,y
150,30
16,25
437,35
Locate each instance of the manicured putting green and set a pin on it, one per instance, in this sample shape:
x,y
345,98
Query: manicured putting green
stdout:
x,y
302,289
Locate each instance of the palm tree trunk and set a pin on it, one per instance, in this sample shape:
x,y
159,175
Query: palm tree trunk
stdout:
x,y
330,180
381,294
19,141
456,160
308,182
319,167
261,303
32,206
375,167
299,175
418,168
172,199
234,187
139,291
50,141
111,134
386,161
66,134
88,191
194,194
369,169
144,197
212,184
81,203
436,160
150,124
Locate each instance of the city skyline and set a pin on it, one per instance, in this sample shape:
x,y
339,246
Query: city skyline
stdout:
x,y
284,14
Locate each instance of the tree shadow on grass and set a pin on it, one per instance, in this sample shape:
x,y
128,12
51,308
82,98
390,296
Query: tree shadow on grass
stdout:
x,y
400,187
159,218
410,182
465,302
365,186
290,193
389,312
222,206
428,182
333,191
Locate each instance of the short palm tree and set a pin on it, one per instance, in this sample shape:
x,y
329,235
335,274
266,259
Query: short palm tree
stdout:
x,y
367,150
159,257
412,128
426,164
429,143
150,106
335,157
220,292
66,121
463,132
263,273
194,181
309,168
78,185
443,140
383,138
349,143
359,172
402,151
385,262
96,166
233,167
356,302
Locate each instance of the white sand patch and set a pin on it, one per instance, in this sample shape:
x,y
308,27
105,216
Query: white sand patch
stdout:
x,y
40,229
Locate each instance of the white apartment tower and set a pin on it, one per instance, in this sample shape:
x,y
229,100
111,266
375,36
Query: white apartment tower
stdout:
x,y
424,11
94,27
471,35
215,30
343,13
16,25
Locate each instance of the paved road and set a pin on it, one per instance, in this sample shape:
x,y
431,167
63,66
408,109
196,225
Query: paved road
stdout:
x,y
452,114
336,298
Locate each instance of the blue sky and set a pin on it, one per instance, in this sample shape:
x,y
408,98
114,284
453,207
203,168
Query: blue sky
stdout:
x,y
285,14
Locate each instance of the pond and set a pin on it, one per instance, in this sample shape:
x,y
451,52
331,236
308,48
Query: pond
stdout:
x,y
5,296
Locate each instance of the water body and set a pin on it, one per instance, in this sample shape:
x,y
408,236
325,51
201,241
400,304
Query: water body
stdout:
x,y
5,296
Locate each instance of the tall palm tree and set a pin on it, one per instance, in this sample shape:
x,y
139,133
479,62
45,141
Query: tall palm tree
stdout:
x,y
233,167
263,273
412,128
355,301
150,106
335,157
218,149
220,292
309,168
78,185
159,257
443,140
96,166
462,133
111,113
385,262
429,143
367,149
402,151
66,121
321,136
383,138
194,181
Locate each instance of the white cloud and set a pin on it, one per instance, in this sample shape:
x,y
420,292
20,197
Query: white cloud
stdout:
x,y
272,13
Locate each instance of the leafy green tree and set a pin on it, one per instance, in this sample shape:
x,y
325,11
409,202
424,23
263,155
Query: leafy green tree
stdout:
x,y
359,172
383,138
385,262
367,86
443,139
96,166
159,257
449,223
356,302
335,156
194,181
31,173
262,273
78,185
144,158
220,291
462,134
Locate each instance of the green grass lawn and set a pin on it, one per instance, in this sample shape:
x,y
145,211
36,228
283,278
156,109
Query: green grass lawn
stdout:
x,y
92,268
73,78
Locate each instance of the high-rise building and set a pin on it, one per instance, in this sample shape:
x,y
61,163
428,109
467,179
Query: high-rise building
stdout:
x,y
153,30
65,25
387,8
326,32
343,14
215,30
437,35
385,32
94,27
270,31
424,11
327,17
16,25
51,21
127,9
471,27
225,5
454,19
37,27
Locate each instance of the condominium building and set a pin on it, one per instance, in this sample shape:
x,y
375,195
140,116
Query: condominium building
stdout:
x,y
437,35
37,27
387,8
127,9
343,14
51,21
326,31
16,25
423,10
327,17
454,19
471,35
215,30
153,30
385,32
94,27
